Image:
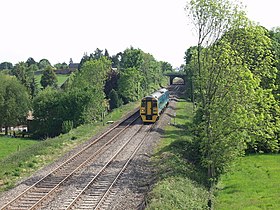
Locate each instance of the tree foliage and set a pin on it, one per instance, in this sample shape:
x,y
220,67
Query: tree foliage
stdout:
x,y
233,77
48,78
14,101
6,65
25,74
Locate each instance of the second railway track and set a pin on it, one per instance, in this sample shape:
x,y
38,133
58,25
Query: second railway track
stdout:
x,y
44,190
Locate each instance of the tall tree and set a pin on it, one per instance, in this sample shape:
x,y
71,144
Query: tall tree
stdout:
x,y
25,74
44,63
30,61
14,102
91,79
6,65
130,85
229,75
48,78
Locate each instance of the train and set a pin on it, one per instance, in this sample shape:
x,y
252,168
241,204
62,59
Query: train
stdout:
x,y
153,105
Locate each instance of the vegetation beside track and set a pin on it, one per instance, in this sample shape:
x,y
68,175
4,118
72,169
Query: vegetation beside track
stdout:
x,y
180,182
253,184
20,163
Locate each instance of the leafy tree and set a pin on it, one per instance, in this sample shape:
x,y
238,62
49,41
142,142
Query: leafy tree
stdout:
x,y
61,65
30,61
130,85
116,59
114,101
97,54
220,80
111,81
228,76
275,38
43,64
6,65
91,78
14,102
131,58
165,66
190,70
106,54
26,76
47,114
48,78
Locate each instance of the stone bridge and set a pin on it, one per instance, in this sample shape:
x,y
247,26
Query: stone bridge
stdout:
x,y
173,75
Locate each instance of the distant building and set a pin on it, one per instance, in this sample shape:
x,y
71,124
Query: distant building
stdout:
x,y
73,66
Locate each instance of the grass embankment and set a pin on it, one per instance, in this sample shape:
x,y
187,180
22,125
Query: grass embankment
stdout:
x,y
18,162
180,183
254,183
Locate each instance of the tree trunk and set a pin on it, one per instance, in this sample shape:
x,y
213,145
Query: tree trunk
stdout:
x,y
6,130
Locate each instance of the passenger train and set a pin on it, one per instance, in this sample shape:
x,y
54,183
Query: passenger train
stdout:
x,y
152,106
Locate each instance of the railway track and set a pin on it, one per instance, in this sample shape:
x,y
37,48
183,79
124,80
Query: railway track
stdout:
x,y
96,194
39,194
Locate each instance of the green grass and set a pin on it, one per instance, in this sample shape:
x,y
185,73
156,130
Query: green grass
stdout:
x,y
9,145
180,183
61,78
254,183
17,164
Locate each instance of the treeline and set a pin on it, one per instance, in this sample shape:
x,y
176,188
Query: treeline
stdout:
x,y
233,79
101,83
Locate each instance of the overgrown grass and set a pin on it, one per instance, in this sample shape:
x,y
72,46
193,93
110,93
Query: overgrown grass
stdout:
x,y
254,183
22,163
180,183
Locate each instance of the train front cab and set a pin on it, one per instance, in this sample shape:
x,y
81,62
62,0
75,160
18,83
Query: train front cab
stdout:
x,y
149,109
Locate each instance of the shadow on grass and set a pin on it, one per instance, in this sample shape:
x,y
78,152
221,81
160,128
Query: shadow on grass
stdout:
x,y
181,157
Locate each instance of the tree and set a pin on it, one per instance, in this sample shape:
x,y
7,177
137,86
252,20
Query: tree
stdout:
x,y
130,85
14,102
131,58
91,79
48,78
6,65
227,76
165,66
30,61
44,63
114,101
25,74
47,114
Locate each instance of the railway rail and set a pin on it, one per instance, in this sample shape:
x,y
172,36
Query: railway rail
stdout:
x,y
37,195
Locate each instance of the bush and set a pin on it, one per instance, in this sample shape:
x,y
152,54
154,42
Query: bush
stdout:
x,y
67,126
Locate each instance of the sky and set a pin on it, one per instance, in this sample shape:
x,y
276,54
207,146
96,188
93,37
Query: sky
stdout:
x,y
62,29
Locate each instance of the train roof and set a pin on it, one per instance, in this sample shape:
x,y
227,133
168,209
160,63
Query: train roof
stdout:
x,y
158,93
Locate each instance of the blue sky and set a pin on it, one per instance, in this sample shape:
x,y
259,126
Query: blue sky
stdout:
x,y
62,29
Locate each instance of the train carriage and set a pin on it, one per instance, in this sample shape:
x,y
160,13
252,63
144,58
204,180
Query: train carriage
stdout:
x,y
152,106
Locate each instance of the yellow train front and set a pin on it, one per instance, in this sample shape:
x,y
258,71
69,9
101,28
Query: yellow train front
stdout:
x,y
152,106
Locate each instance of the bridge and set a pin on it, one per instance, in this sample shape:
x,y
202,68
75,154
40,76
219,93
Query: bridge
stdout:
x,y
173,75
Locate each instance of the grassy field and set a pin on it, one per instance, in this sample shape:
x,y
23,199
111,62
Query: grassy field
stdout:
x,y
9,145
179,183
254,183
16,164
60,79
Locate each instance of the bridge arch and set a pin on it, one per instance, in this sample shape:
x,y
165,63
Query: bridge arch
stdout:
x,y
173,75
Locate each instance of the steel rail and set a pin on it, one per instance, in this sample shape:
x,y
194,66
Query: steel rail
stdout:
x,y
10,203
71,205
102,199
